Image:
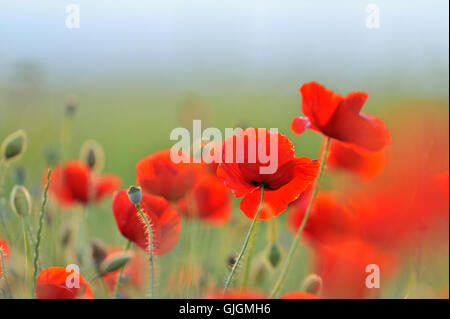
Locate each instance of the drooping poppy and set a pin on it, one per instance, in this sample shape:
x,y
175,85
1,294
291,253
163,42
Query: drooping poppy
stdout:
x,y
209,201
299,295
340,117
4,247
53,283
345,267
158,174
244,173
329,220
163,219
74,182
361,162
133,273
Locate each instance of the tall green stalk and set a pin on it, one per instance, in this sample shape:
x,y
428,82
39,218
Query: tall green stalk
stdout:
x,y
150,251
39,231
296,241
244,246
116,289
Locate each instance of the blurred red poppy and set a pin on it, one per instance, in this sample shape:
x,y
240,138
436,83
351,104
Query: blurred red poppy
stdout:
x,y
164,221
133,272
343,266
328,221
291,177
237,294
340,117
4,247
75,182
158,174
209,201
51,284
363,163
299,295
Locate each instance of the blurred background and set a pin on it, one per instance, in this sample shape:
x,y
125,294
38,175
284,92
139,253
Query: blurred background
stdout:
x,y
138,69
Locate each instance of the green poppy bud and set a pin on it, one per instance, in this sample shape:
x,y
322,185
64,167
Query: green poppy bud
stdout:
x,y
20,200
312,284
274,255
92,154
135,195
115,263
14,145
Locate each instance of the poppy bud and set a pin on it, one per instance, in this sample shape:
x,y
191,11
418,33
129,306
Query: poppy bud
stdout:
x,y
14,145
135,195
71,105
312,284
98,252
52,155
92,154
274,255
113,264
19,175
20,200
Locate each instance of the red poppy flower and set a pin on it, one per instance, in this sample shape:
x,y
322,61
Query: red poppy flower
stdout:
x,y
209,200
343,267
159,175
329,220
299,295
134,271
4,247
51,284
364,163
164,221
75,182
291,177
340,117
237,294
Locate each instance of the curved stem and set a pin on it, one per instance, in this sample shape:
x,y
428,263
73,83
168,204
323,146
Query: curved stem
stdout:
x,y
116,289
248,262
296,241
39,231
150,249
3,269
244,246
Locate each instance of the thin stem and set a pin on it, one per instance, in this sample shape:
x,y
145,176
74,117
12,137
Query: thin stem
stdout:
x,y
244,246
150,249
3,268
116,289
248,262
28,254
296,241
39,231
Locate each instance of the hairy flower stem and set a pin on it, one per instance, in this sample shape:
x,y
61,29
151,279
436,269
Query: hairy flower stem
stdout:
x,y
5,278
248,262
244,246
39,231
296,241
116,289
150,251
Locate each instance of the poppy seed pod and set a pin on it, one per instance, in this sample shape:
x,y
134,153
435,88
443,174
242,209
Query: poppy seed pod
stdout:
x,y
312,284
14,145
135,195
20,200
92,154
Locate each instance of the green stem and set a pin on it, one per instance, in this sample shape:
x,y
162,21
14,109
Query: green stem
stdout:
x,y
150,249
244,246
116,289
248,262
296,241
39,231
28,254
3,268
